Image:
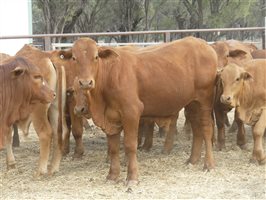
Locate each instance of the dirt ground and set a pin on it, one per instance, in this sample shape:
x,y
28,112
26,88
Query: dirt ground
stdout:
x,y
161,176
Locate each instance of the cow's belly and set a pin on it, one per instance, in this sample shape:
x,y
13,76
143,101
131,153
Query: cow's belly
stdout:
x,y
167,102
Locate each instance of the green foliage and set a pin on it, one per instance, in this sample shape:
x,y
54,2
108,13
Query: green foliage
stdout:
x,y
57,16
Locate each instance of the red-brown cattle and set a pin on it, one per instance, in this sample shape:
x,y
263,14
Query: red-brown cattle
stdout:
x,y
125,86
48,120
16,142
19,78
245,89
75,122
230,51
261,53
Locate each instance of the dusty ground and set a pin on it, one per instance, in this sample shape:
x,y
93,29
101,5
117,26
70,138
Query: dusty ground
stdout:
x,y
161,176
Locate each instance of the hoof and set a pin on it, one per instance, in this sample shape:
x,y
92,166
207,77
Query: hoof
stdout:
x,y
131,183
243,146
220,146
11,166
111,182
112,177
145,149
262,162
65,152
77,156
38,175
252,161
166,152
208,167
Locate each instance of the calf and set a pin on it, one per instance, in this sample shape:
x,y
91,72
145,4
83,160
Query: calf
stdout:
x,y
230,51
48,120
19,78
244,88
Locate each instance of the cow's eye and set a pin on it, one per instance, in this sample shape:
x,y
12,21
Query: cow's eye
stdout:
x,y
73,58
237,79
96,57
38,77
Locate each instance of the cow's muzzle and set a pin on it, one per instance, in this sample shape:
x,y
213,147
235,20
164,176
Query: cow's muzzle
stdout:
x,y
226,99
86,84
81,110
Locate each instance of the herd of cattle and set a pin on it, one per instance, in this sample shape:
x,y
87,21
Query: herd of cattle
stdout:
x,y
132,88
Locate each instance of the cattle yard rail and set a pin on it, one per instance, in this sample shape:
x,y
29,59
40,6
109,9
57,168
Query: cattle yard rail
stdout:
x,y
166,34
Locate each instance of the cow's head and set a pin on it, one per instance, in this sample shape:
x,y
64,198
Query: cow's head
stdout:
x,y
233,78
81,98
229,54
30,78
87,54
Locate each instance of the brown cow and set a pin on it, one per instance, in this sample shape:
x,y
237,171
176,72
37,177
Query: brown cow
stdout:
x,y
125,86
48,120
261,53
19,78
230,51
245,89
75,122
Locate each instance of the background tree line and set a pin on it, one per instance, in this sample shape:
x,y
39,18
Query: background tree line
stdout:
x,y
69,16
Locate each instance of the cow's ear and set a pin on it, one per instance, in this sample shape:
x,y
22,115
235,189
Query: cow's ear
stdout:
x,y
246,76
218,76
237,53
104,52
65,54
70,91
18,71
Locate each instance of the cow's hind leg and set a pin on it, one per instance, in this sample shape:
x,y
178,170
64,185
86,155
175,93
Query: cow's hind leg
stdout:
x,y
192,112
10,159
170,136
202,126
44,131
258,131
148,133
16,141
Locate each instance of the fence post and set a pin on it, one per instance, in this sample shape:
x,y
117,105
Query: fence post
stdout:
x,y
47,43
167,37
263,39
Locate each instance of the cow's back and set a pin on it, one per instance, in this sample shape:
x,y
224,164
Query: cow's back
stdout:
x,y
257,69
174,73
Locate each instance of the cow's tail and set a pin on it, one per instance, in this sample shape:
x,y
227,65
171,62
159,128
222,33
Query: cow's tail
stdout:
x,y
61,92
59,119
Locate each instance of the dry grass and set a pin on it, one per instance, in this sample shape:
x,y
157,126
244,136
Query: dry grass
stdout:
x,y
161,176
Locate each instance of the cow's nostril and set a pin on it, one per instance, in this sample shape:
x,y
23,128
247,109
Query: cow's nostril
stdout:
x,y
228,98
82,109
80,83
90,83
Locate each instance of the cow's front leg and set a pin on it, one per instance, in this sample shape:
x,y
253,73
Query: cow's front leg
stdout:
x,y
77,131
241,134
113,152
130,125
10,159
258,131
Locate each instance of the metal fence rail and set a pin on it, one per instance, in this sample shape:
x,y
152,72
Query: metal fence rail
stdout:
x,y
166,34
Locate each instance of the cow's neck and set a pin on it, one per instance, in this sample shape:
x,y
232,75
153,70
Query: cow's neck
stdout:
x,y
96,100
245,96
